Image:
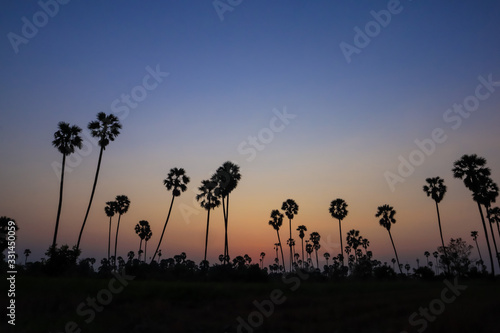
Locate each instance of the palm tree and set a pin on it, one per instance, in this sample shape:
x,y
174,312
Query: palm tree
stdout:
x,y
387,213
177,182
291,209
427,254
262,256
393,263
276,222
142,229
436,189
474,235
495,217
106,128
227,177
338,210
315,237
149,234
301,229
309,250
66,139
122,206
208,201
327,256
407,267
110,211
27,253
471,169
435,254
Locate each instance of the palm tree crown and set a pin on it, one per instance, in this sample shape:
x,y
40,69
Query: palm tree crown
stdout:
x,y
67,138
435,188
176,181
472,170
386,213
106,128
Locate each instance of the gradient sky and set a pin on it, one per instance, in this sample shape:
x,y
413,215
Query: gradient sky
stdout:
x,y
226,81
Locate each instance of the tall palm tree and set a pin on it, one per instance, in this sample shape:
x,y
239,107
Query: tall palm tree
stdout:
x,y
142,229
66,139
110,211
472,170
106,128
338,210
315,237
386,214
495,217
122,206
276,222
301,229
474,235
208,201
227,176
177,182
291,209
436,189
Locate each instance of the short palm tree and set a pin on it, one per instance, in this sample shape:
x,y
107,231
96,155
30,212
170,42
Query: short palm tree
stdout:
x,y
27,253
427,255
327,256
208,201
386,214
110,211
177,182
106,128
474,235
338,210
142,229
291,209
262,256
276,222
66,139
315,238
122,206
149,234
301,229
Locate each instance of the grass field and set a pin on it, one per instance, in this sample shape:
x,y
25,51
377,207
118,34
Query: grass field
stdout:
x,y
49,304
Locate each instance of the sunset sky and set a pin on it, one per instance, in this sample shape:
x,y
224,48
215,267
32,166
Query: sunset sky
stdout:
x,y
268,85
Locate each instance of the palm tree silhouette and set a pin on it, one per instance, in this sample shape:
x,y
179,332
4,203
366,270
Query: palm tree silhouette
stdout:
x,y
110,211
291,209
495,217
227,177
301,229
436,189
435,254
262,256
276,222
177,182
27,253
122,206
106,128
315,237
327,256
386,214
309,250
393,263
142,229
471,169
474,235
427,254
338,210
66,139
407,267
149,234
208,201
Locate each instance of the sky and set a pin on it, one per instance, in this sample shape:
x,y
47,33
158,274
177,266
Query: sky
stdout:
x,y
314,100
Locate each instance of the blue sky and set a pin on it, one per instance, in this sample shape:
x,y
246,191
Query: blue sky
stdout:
x,y
225,79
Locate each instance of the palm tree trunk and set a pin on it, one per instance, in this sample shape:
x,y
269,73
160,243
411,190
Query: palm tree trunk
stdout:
x,y
60,203
498,228
395,252
281,248
317,262
91,197
480,257
163,231
225,228
116,238
492,234
226,222
303,252
206,235
145,251
487,239
290,240
140,247
109,236
341,246
442,241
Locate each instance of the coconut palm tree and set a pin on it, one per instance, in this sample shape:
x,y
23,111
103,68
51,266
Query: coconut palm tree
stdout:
x,y
315,237
142,229
301,229
110,211
208,201
386,214
122,206
291,209
495,217
227,176
27,253
436,189
66,139
472,170
276,222
338,210
177,182
474,235
106,128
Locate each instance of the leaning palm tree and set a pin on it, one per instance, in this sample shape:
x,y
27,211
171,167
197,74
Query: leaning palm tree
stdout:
x,y
106,128
110,211
472,170
436,189
301,229
142,229
315,237
291,209
208,201
474,235
66,139
227,177
386,214
495,217
122,206
338,210
177,182
276,222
